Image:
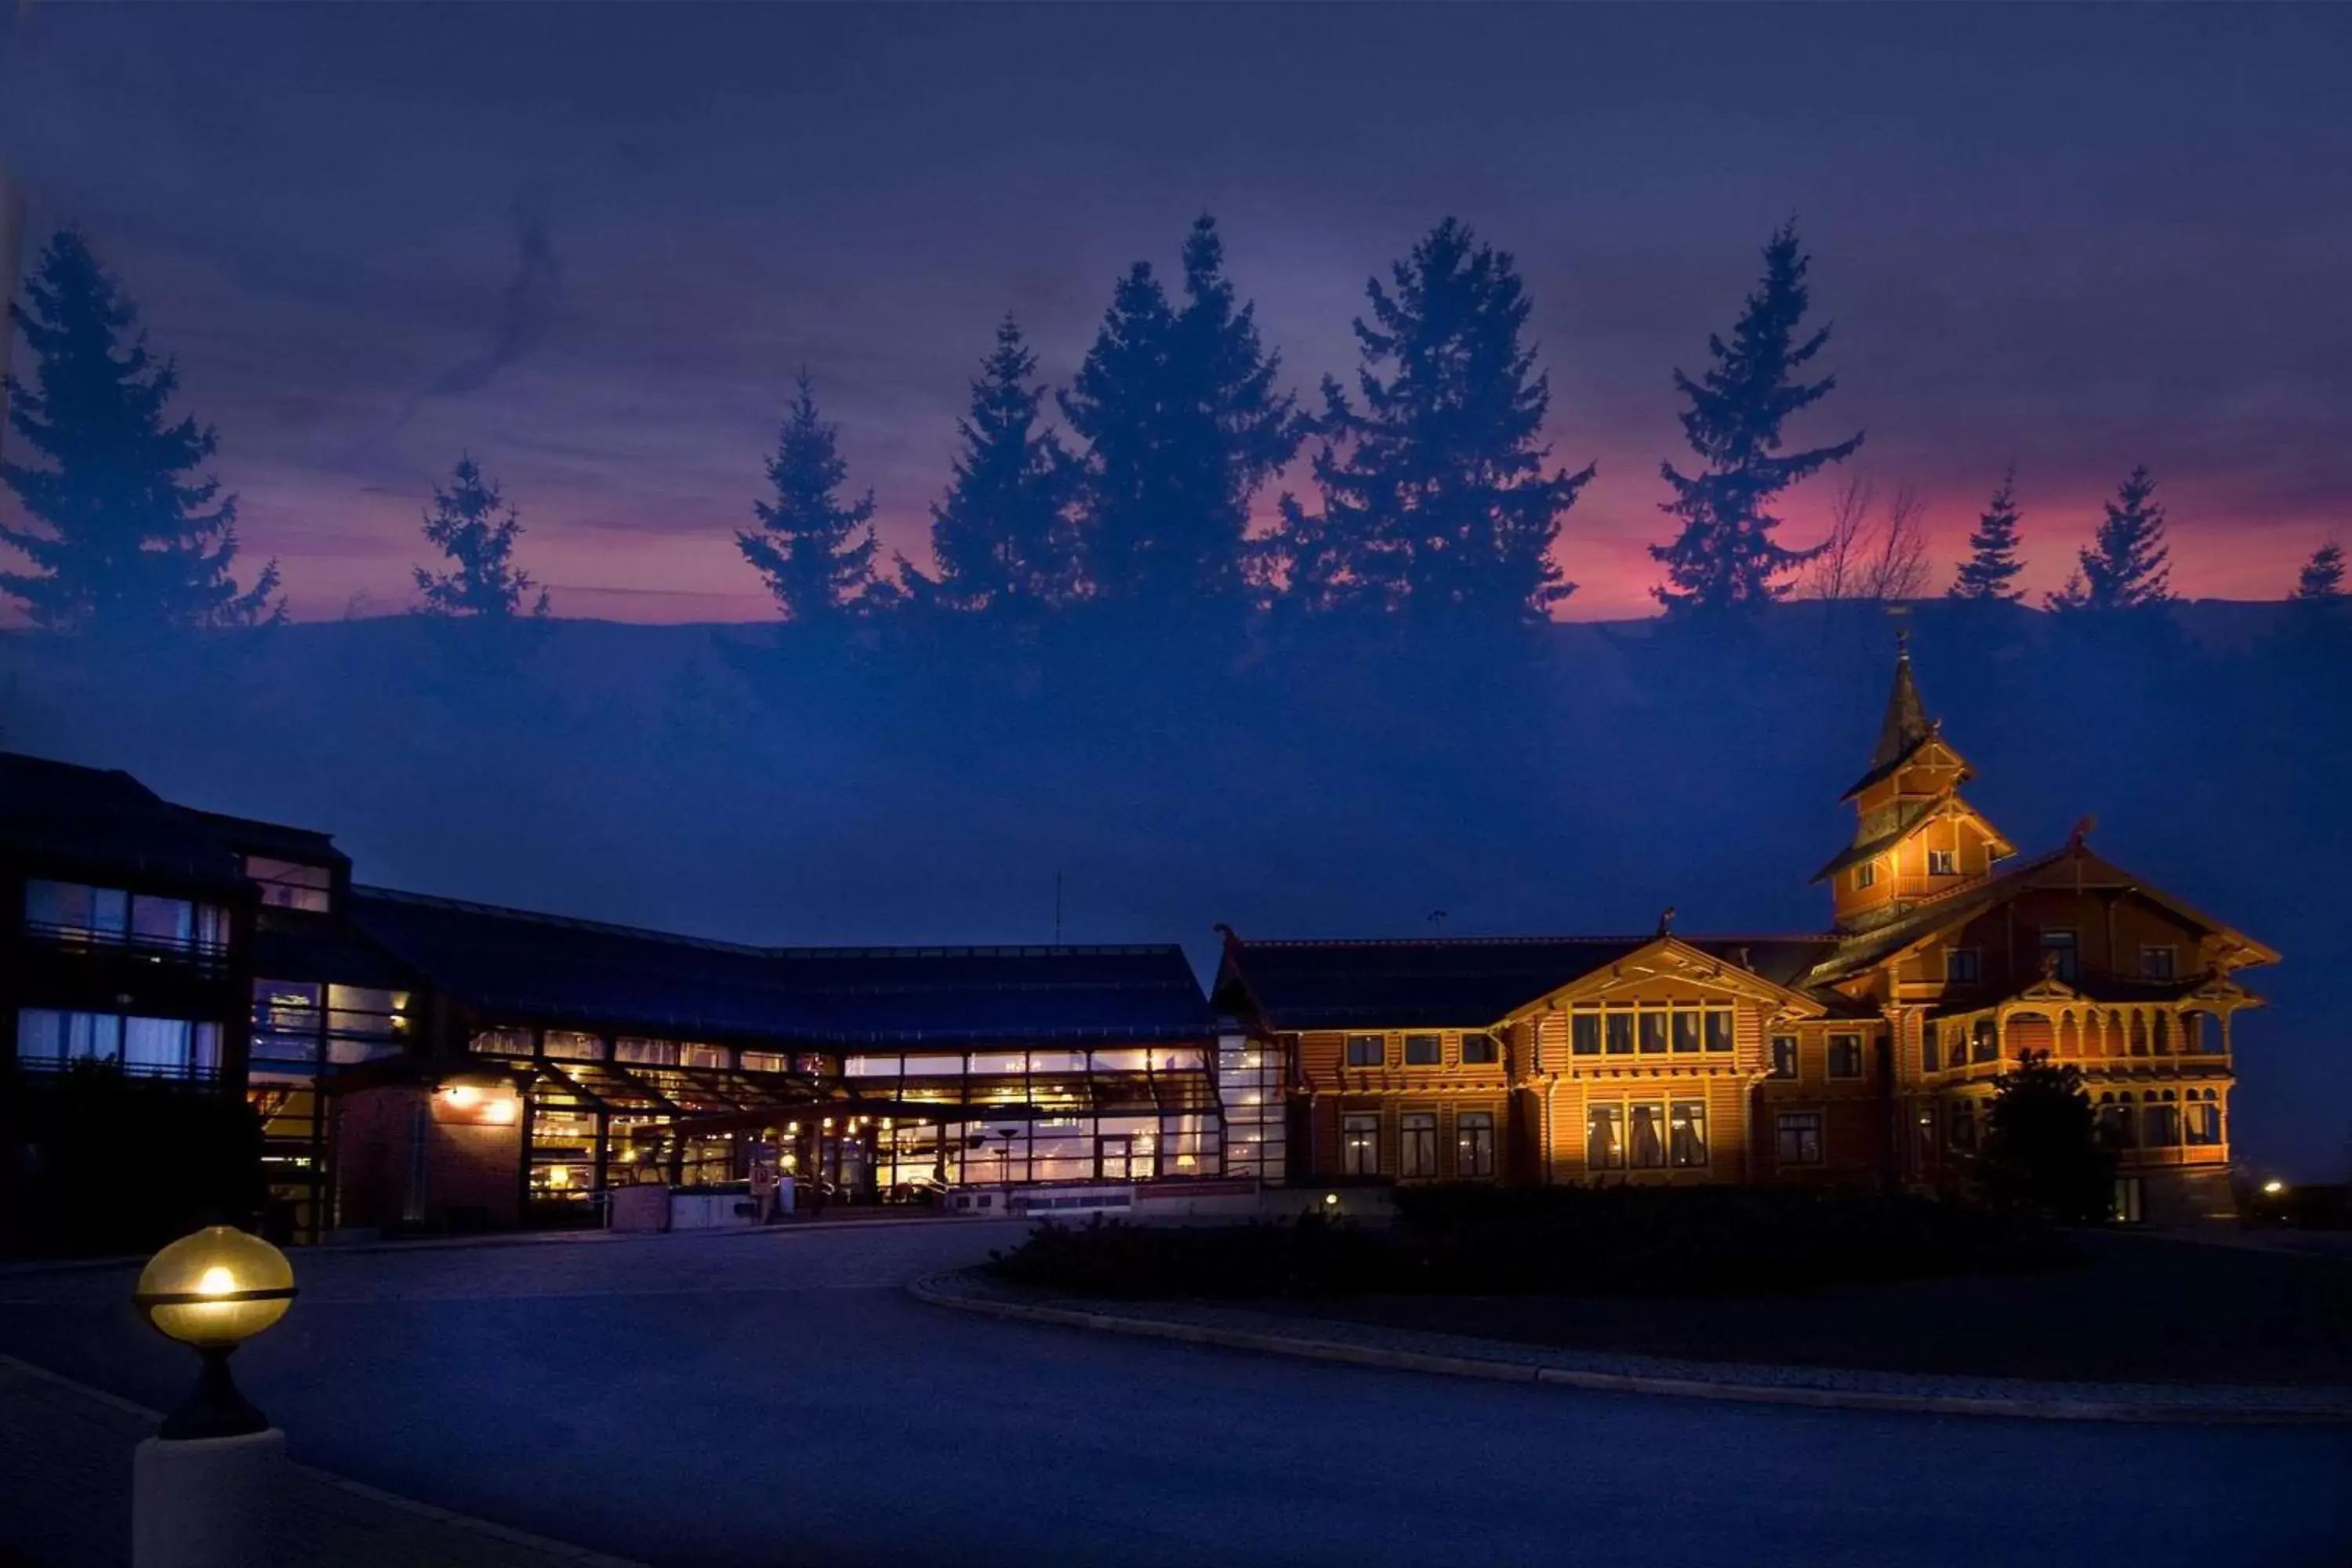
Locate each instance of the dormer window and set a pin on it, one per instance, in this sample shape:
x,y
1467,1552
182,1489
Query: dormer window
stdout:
x,y
291,884
1865,874
1943,863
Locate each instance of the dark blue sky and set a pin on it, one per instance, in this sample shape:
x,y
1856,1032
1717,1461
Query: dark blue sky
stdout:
x,y
592,244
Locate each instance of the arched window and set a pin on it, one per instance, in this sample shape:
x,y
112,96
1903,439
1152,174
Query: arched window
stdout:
x,y
2202,1124
2138,1036
2163,1034
2160,1120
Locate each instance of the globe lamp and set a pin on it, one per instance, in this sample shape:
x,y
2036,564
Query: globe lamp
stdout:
x,y
213,1292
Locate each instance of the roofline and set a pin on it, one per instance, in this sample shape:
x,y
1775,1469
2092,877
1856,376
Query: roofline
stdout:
x,y
715,944
1639,939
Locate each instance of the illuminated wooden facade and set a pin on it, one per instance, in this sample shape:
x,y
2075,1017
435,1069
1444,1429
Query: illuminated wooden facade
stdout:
x,y
1864,1053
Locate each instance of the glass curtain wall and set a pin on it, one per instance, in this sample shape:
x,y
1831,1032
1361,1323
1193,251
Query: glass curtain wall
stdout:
x,y
1121,1114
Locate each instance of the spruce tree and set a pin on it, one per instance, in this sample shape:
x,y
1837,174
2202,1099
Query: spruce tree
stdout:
x,y
475,527
1725,557
1182,426
1003,536
2322,578
130,540
2125,566
1435,496
816,553
1985,576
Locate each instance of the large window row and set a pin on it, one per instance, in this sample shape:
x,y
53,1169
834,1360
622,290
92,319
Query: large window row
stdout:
x,y
1646,1135
1025,1063
1473,1146
1649,1031
74,912
574,1045
149,1047
2160,1119
299,1024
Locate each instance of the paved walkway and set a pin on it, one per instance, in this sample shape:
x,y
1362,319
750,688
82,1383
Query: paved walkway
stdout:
x,y
64,1497
754,1402
1461,1355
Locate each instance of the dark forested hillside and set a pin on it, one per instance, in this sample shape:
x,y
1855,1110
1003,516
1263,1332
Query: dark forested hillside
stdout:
x,y
927,782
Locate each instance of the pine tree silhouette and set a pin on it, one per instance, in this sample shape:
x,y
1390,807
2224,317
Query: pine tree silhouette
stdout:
x,y
475,527
1434,497
1725,556
1003,536
1985,576
2125,566
131,541
1182,426
817,555
2322,578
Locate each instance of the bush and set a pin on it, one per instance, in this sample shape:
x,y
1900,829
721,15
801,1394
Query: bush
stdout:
x,y
1563,1241
120,1164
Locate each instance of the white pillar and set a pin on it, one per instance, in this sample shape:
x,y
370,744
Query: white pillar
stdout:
x,y
206,1502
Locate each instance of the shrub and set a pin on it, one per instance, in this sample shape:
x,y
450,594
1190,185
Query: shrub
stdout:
x,y
1565,1241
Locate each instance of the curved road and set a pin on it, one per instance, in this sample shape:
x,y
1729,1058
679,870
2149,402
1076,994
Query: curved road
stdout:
x,y
777,1398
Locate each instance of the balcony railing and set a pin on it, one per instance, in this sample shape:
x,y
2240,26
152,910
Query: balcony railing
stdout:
x,y
207,957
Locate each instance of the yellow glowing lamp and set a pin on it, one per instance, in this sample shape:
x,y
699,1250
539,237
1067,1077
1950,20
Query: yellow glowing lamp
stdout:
x,y
216,1289
2274,1187
213,1291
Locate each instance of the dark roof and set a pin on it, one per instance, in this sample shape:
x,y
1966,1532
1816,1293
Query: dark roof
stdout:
x,y
554,969
1863,950
1877,833
104,822
1453,981
1904,730
275,839
295,944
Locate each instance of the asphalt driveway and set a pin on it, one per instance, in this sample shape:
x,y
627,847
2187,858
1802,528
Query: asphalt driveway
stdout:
x,y
777,1398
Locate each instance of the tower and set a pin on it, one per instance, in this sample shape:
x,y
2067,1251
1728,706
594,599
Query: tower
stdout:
x,y
1914,838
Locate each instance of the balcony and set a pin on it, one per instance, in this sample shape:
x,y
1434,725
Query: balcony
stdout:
x,y
174,954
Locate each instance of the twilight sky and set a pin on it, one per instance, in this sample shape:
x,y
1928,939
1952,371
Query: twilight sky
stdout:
x,y
593,244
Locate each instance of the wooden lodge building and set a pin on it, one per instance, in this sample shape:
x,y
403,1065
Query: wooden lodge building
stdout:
x,y
420,1062
1864,1053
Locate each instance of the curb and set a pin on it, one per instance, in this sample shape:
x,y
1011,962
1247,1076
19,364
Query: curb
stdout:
x,y
563,1551
953,1290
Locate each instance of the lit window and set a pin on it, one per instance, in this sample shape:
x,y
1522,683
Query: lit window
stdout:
x,y
648,1053
1480,1050
1865,874
1797,1138
1417,1144
1424,1050
1360,1145
1654,1032
1943,863
1718,1029
1646,1134
1687,1135
1604,1138
1784,1055
1474,1143
2059,956
289,883
1687,1029
2201,1124
1621,1034
1988,1042
2155,963
764,1061
1367,1050
1960,966
1846,1056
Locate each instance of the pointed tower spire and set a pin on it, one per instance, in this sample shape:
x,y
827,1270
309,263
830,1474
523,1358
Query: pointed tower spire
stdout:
x,y
1906,724
1912,830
